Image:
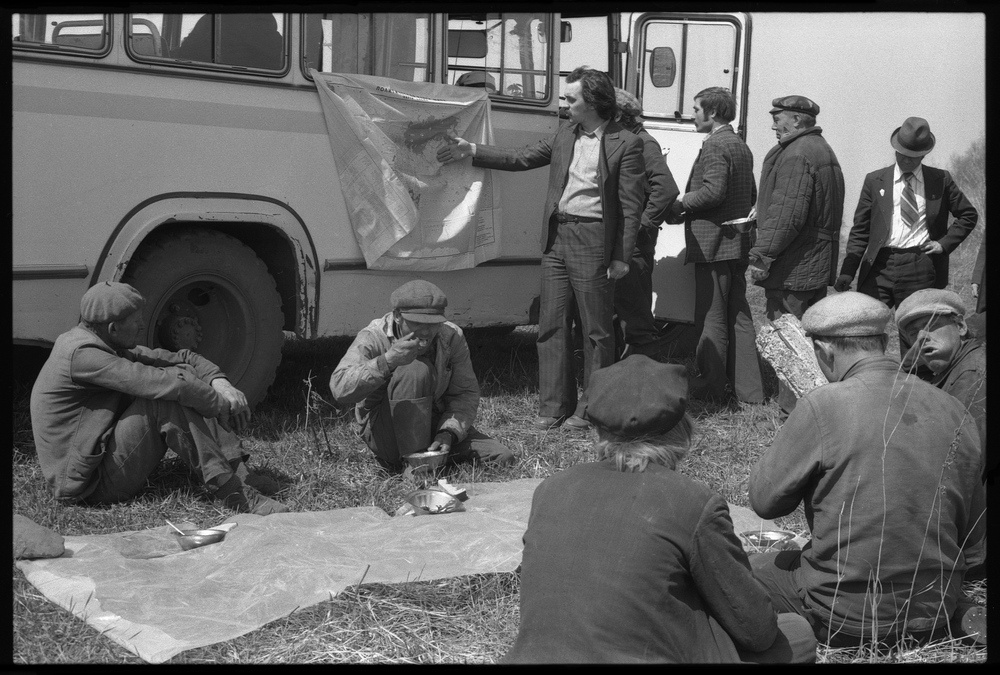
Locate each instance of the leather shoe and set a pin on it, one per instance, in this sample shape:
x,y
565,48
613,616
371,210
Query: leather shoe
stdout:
x,y
577,423
546,423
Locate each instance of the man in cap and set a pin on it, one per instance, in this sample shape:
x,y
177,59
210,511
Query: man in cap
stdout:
x,y
634,291
410,375
721,188
592,214
939,348
901,238
104,411
799,212
627,560
887,467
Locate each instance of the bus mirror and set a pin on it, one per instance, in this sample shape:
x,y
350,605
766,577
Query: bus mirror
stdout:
x,y
663,67
565,31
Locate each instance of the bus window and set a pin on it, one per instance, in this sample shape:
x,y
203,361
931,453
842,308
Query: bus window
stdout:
x,y
387,45
64,32
588,45
704,56
240,40
507,53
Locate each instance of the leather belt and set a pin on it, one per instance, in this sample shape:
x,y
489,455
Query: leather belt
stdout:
x,y
893,249
566,218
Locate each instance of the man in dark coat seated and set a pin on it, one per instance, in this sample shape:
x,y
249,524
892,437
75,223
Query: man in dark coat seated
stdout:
x,y
626,560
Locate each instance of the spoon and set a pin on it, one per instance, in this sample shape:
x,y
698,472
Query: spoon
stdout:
x,y
179,530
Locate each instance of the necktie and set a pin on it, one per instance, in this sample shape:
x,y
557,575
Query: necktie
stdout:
x,y
908,203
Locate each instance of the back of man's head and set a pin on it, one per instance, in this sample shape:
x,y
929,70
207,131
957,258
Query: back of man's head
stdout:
x,y
848,322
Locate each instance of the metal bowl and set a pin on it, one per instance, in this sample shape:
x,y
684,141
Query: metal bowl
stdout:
x,y
741,225
768,539
195,538
432,460
433,501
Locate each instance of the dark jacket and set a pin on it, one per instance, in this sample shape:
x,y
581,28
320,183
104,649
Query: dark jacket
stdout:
x,y
85,386
888,469
621,175
873,220
661,190
635,567
800,206
721,188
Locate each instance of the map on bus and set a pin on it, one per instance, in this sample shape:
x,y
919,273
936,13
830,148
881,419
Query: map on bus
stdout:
x,y
409,211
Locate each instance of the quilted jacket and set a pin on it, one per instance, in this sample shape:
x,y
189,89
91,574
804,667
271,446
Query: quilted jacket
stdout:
x,y
799,212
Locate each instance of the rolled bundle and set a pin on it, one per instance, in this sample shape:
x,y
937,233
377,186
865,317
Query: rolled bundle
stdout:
x,y
785,346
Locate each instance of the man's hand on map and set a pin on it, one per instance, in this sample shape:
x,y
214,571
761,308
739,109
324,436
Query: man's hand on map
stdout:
x,y
456,150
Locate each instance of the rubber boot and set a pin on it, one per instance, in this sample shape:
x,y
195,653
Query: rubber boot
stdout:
x,y
244,499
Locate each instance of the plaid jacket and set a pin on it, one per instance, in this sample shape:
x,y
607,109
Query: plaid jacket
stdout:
x,y
721,188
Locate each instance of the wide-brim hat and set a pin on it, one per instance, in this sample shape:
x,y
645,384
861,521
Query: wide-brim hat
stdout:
x,y
913,138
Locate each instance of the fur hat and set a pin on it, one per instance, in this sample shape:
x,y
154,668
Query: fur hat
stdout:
x,y
847,314
110,301
637,397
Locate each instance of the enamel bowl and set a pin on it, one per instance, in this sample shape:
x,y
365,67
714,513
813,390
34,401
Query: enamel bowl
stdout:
x,y
433,501
432,460
196,538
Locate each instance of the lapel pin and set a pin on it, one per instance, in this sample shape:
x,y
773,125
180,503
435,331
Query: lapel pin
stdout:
x,y
881,193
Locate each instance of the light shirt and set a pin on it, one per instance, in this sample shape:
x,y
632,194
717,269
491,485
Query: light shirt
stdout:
x,y
582,195
902,236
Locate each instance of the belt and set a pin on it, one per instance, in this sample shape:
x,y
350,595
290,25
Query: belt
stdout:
x,y
566,218
889,250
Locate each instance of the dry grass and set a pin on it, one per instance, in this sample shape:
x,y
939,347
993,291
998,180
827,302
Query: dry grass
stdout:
x,y
300,439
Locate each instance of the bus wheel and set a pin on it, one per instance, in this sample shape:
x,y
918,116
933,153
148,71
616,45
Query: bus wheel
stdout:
x,y
208,292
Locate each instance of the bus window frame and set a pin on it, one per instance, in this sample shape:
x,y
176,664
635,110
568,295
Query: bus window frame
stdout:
x,y
184,64
66,50
637,59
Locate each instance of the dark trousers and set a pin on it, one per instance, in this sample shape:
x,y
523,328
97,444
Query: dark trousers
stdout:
x,y
795,643
403,421
145,432
727,351
897,273
634,298
780,301
573,271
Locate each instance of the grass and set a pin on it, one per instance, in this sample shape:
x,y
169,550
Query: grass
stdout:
x,y
298,437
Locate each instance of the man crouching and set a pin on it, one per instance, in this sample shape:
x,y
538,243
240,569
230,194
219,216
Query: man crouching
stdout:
x,y
410,375
104,411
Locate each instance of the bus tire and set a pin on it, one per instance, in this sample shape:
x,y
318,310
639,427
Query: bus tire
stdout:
x,y
210,293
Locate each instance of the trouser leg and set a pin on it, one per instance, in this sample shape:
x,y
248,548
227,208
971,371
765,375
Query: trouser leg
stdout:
x,y
795,643
633,297
142,436
478,446
742,362
400,422
556,372
710,299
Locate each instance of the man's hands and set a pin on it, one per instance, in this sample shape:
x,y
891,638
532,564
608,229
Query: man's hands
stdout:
x,y
617,269
842,283
932,247
236,415
403,351
758,273
457,149
975,291
442,441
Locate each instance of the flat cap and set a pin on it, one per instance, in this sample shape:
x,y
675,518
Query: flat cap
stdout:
x,y
637,397
795,104
420,301
847,314
929,301
110,301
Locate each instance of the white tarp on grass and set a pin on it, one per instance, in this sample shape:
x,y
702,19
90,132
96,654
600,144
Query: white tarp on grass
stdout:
x,y
408,211
140,590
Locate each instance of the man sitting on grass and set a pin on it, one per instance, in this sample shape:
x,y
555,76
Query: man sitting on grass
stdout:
x,y
888,469
104,411
941,350
410,375
627,560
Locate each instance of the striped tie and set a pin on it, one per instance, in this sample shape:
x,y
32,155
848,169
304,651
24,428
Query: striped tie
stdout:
x,y
908,203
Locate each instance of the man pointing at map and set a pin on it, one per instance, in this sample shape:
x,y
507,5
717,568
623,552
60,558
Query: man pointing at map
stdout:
x,y
591,219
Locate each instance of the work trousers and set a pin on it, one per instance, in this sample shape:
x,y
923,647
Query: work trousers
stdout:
x,y
141,438
634,300
795,643
727,348
779,301
573,271
897,273
403,421
777,571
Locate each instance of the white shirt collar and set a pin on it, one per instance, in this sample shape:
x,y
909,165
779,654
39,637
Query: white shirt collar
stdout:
x,y
918,173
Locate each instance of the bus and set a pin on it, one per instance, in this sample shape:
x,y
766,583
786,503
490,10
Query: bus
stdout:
x,y
188,155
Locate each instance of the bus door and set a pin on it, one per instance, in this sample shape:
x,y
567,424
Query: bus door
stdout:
x,y
671,58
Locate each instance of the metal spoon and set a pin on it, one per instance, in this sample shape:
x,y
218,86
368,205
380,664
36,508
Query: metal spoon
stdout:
x,y
179,530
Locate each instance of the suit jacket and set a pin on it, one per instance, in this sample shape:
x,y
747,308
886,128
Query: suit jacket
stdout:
x,y
873,220
621,179
721,188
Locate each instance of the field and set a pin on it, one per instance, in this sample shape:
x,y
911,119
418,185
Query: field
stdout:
x,y
300,439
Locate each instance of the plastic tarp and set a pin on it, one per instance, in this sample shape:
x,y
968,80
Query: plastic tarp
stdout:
x,y
141,591
409,211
